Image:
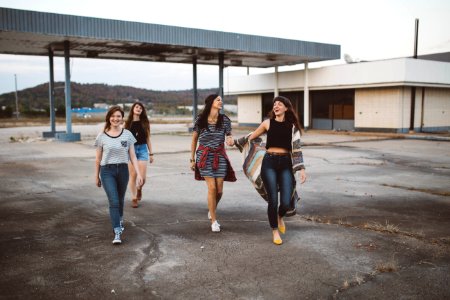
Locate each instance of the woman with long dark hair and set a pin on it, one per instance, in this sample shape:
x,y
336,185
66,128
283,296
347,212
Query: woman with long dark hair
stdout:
x,y
115,147
282,159
138,124
210,161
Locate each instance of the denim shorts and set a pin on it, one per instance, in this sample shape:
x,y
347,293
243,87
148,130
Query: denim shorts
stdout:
x,y
141,152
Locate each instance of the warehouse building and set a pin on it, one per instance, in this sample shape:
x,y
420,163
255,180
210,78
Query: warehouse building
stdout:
x,y
393,95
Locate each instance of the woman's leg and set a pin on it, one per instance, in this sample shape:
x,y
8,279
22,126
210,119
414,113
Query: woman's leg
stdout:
x,y
269,178
122,181
212,193
109,183
132,181
219,187
286,185
142,164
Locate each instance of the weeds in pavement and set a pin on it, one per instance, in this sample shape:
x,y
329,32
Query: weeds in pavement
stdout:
x,y
358,279
383,228
13,139
387,267
423,190
312,218
345,285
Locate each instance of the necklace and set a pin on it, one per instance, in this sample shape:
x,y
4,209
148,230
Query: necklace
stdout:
x,y
212,120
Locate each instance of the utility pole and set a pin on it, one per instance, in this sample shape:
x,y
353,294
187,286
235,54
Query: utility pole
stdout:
x,y
413,88
17,98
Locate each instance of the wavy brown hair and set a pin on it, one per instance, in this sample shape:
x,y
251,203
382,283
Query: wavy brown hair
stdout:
x,y
203,117
290,115
110,112
143,119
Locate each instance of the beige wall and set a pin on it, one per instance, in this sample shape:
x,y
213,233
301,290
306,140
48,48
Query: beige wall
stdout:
x,y
249,109
387,108
436,108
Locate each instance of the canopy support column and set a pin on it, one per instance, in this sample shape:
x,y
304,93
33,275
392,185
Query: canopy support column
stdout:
x,y
276,91
51,97
306,112
68,136
221,67
195,104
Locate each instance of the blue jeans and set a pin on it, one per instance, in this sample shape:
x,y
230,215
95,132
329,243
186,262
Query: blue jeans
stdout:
x,y
115,180
276,174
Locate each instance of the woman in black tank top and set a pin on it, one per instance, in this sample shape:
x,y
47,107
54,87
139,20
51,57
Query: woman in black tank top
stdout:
x,y
277,170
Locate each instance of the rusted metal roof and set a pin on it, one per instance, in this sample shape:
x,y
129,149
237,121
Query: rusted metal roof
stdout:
x,y
34,33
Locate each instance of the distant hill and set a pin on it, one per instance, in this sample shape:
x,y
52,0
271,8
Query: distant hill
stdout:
x,y
35,99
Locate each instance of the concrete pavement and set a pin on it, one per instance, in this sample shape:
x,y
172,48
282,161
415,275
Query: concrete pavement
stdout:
x,y
373,223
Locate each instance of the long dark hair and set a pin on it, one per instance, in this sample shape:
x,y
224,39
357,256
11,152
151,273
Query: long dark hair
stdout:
x,y
143,119
110,112
203,116
290,115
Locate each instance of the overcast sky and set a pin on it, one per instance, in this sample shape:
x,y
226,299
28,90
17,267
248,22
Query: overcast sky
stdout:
x,y
365,29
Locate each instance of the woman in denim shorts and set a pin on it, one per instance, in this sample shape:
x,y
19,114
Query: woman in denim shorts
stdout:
x,y
139,126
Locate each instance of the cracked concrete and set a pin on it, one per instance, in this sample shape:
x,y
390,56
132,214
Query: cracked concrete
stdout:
x,y
56,236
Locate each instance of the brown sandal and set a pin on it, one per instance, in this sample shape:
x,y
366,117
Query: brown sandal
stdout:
x,y
134,203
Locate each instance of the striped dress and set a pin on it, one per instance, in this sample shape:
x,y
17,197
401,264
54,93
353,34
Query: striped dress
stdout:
x,y
212,138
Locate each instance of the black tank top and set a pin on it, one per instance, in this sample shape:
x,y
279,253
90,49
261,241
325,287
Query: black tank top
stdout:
x,y
279,135
139,133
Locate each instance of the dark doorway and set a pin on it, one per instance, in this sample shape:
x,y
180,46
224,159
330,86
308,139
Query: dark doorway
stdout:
x,y
333,109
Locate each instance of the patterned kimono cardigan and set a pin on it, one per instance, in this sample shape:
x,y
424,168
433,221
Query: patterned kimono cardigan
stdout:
x,y
253,153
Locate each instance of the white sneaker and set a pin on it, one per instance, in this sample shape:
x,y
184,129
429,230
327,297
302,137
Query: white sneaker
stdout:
x,y
215,227
209,218
117,239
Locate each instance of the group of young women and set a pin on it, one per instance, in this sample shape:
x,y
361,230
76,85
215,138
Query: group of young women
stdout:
x,y
122,155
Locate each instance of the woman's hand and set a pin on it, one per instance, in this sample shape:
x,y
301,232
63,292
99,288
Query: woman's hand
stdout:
x,y
98,182
230,140
302,176
151,159
192,164
139,181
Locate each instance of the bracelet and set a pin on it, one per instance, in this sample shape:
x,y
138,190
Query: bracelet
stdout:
x,y
151,154
191,160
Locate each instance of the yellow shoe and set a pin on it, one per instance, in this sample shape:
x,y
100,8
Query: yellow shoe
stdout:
x,y
281,228
277,241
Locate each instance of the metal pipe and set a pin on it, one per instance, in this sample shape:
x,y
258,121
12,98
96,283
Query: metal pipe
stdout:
x,y
416,37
